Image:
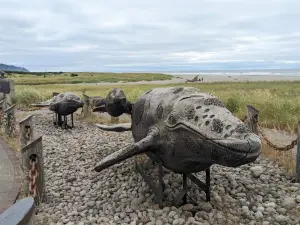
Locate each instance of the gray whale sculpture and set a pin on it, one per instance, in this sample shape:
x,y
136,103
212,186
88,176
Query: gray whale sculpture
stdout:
x,y
63,104
115,103
188,129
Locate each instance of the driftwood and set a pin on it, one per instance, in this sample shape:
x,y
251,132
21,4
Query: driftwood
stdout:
x,y
20,213
195,79
252,118
3,104
26,130
298,156
32,154
10,120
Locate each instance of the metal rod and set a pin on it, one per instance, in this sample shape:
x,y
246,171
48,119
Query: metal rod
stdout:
x,y
184,179
207,191
72,118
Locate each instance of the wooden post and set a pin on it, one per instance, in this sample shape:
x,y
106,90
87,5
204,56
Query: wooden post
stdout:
x,y
34,152
21,213
12,95
86,104
252,118
9,114
26,131
2,106
298,156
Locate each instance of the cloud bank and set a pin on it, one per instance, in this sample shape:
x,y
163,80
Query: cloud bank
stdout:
x,y
115,35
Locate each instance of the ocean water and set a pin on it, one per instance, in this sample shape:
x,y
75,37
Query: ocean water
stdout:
x,y
282,72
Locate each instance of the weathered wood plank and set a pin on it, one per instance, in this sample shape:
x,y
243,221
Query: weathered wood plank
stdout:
x,y
2,108
27,132
20,213
34,152
252,118
12,95
10,120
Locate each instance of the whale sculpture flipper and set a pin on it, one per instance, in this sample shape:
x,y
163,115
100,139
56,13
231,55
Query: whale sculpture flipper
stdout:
x,y
139,147
117,128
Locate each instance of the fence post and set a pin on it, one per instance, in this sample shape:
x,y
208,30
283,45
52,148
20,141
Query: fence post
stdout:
x,y
12,95
298,156
86,104
26,131
33,166
9,115
252,118
2,107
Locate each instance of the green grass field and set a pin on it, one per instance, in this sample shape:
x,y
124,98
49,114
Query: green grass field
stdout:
x,y
75,78
278,102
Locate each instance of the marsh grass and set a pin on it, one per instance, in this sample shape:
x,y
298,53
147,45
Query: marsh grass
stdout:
x,y
75,78
278,102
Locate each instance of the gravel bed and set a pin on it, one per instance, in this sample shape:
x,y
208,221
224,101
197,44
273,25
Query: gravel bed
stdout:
x,y
258,193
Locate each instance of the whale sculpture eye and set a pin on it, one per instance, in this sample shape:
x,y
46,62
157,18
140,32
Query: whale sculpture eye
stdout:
x,y
173,119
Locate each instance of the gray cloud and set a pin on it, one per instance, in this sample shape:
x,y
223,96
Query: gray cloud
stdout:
x,y
139,35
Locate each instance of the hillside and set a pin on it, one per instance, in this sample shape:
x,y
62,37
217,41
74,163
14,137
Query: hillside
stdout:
x,y
5,67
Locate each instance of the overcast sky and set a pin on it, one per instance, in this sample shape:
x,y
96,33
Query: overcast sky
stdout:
x,y
118,35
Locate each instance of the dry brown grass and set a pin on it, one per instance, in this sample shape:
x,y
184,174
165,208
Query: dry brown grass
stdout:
x,y
101,118
284,159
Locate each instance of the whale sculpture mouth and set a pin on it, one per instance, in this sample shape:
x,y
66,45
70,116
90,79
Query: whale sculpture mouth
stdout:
x,y
250,147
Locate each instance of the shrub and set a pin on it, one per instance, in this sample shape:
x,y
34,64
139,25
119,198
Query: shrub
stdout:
x,y
233,104
25,98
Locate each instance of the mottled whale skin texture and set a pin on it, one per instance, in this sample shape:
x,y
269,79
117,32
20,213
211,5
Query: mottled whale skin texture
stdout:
x,y
65,103
189,130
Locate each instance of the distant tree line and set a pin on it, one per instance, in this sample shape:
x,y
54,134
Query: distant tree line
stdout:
x,y
33,73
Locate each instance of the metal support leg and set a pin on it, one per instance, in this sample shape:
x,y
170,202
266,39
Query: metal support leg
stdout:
x,y
59,120
72,119
65,122
184,180
56,120
207,191
182,196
